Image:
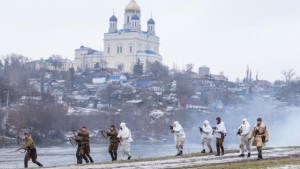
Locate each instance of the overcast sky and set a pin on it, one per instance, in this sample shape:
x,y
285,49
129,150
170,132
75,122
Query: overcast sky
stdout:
x,y
226,35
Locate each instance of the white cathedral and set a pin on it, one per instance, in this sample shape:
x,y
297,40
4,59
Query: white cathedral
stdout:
x,y
123,47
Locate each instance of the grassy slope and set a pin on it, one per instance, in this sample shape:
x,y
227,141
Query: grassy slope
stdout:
x,y
263,164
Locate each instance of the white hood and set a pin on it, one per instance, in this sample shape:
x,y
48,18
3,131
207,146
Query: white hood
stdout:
x,y
206,130
179,133
206,122
125,133
246,122
245,127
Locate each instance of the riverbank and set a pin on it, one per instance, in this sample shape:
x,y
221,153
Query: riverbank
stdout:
x,y
273,157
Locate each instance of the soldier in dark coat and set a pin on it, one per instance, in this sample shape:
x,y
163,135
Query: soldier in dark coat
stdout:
x,y
84,139
80,156
114,142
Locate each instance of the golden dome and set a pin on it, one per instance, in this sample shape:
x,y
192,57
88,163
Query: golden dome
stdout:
x,y
133,7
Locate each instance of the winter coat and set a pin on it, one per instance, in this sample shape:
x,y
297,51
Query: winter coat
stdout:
x,y
261,130
85,137
245,128
179,135
124,134
206,131
113,134
29,144
220,130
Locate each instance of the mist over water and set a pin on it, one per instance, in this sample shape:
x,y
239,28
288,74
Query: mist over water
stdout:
x,y
281,120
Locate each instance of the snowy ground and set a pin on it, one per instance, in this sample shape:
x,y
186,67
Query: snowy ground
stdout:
x,y
191,161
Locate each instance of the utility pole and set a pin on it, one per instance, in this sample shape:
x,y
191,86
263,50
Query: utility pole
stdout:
x,y
5,119
7,98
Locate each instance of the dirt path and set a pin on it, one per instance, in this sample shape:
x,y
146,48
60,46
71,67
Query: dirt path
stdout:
x,y
189,162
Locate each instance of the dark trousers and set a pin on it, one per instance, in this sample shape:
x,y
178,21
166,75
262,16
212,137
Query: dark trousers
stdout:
x,y
31,154
219,145
113,150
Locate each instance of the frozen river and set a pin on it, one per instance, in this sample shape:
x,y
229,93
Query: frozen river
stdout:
x,y
65,154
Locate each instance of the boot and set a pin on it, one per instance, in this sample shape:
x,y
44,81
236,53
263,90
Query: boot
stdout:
x,y
249,155
241,155
218,151
79,160
112,157
115,156
178,153
203,151
222,148
39,164
129,157
181,152
91,159
85,159
77,157
210,150
260,154
25,164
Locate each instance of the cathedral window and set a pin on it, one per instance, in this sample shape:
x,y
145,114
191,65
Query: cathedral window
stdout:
x,y
119,49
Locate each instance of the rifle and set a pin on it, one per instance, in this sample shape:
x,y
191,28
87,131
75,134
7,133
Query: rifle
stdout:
x,y
214,130
201,130
18,150
71,138
239,132
102,133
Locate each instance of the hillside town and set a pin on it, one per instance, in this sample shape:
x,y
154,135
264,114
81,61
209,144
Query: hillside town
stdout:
x,y
154,95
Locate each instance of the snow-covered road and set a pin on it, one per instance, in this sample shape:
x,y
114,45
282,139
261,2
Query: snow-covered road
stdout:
x,y
188,162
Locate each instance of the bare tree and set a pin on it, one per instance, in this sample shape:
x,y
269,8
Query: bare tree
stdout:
x,y
55,61
189,67
288,75
158,71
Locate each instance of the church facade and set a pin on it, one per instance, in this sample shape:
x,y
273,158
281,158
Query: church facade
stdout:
x,y
123,47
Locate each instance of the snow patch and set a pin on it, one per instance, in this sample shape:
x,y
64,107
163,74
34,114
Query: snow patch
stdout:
x,y
157,114
193,161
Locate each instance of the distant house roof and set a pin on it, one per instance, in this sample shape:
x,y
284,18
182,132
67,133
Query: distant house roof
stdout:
x,y
118,77
134,101
91,51
113,70
262,83
215,77
219,77
142,84
35,98
184,102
